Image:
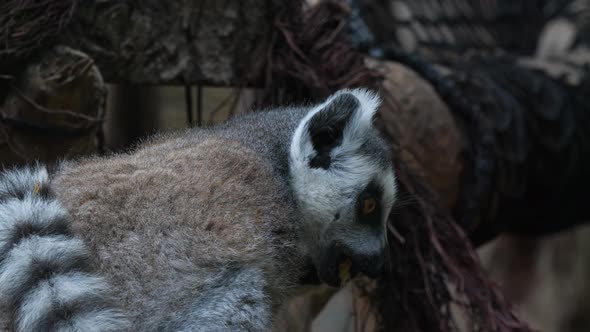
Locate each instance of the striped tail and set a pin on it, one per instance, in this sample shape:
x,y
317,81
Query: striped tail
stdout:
x,y
46,279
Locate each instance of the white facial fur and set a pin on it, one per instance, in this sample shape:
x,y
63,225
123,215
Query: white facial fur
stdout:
x,y
327,197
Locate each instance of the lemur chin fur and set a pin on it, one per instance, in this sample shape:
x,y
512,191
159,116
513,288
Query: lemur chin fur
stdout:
x,y
197,230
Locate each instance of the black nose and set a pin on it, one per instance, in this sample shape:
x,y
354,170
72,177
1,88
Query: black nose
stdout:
x,y
372,263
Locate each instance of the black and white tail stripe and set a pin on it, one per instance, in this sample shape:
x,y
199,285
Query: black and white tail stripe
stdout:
x,y
46,281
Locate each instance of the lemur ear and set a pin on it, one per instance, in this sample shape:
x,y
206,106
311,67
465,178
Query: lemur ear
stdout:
x,y
326,127
346,116
342,114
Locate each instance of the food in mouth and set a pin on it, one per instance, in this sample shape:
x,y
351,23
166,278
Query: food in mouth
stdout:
x,y
344,271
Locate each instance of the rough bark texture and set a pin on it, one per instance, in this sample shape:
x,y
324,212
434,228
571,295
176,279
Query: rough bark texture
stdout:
x,y
53,110
171,42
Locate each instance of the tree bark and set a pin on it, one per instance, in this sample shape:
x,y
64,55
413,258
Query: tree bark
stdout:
x,y
209,42
54,110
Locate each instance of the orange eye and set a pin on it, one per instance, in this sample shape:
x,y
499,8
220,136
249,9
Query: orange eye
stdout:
x,y
369,205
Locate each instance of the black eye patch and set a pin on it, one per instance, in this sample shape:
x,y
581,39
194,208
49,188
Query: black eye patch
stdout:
x,y
369,209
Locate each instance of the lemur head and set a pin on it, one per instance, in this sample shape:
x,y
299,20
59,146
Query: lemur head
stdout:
x,y
344,186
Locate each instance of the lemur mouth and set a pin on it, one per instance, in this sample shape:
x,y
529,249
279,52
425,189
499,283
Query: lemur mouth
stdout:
x,y
336,264
310,275
345,274
339,272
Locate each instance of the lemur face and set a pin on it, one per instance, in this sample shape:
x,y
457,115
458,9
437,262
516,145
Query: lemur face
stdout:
x,y
344,185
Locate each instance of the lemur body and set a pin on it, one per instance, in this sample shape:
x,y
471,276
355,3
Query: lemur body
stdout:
x,y
202,230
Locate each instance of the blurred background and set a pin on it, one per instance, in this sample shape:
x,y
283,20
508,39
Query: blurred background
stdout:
x,y
468,84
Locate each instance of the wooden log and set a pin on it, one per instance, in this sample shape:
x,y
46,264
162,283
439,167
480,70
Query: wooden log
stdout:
x,y
421,130
173,42
54,110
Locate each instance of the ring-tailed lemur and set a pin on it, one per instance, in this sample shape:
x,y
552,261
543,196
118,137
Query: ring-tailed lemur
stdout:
x,y
200,230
